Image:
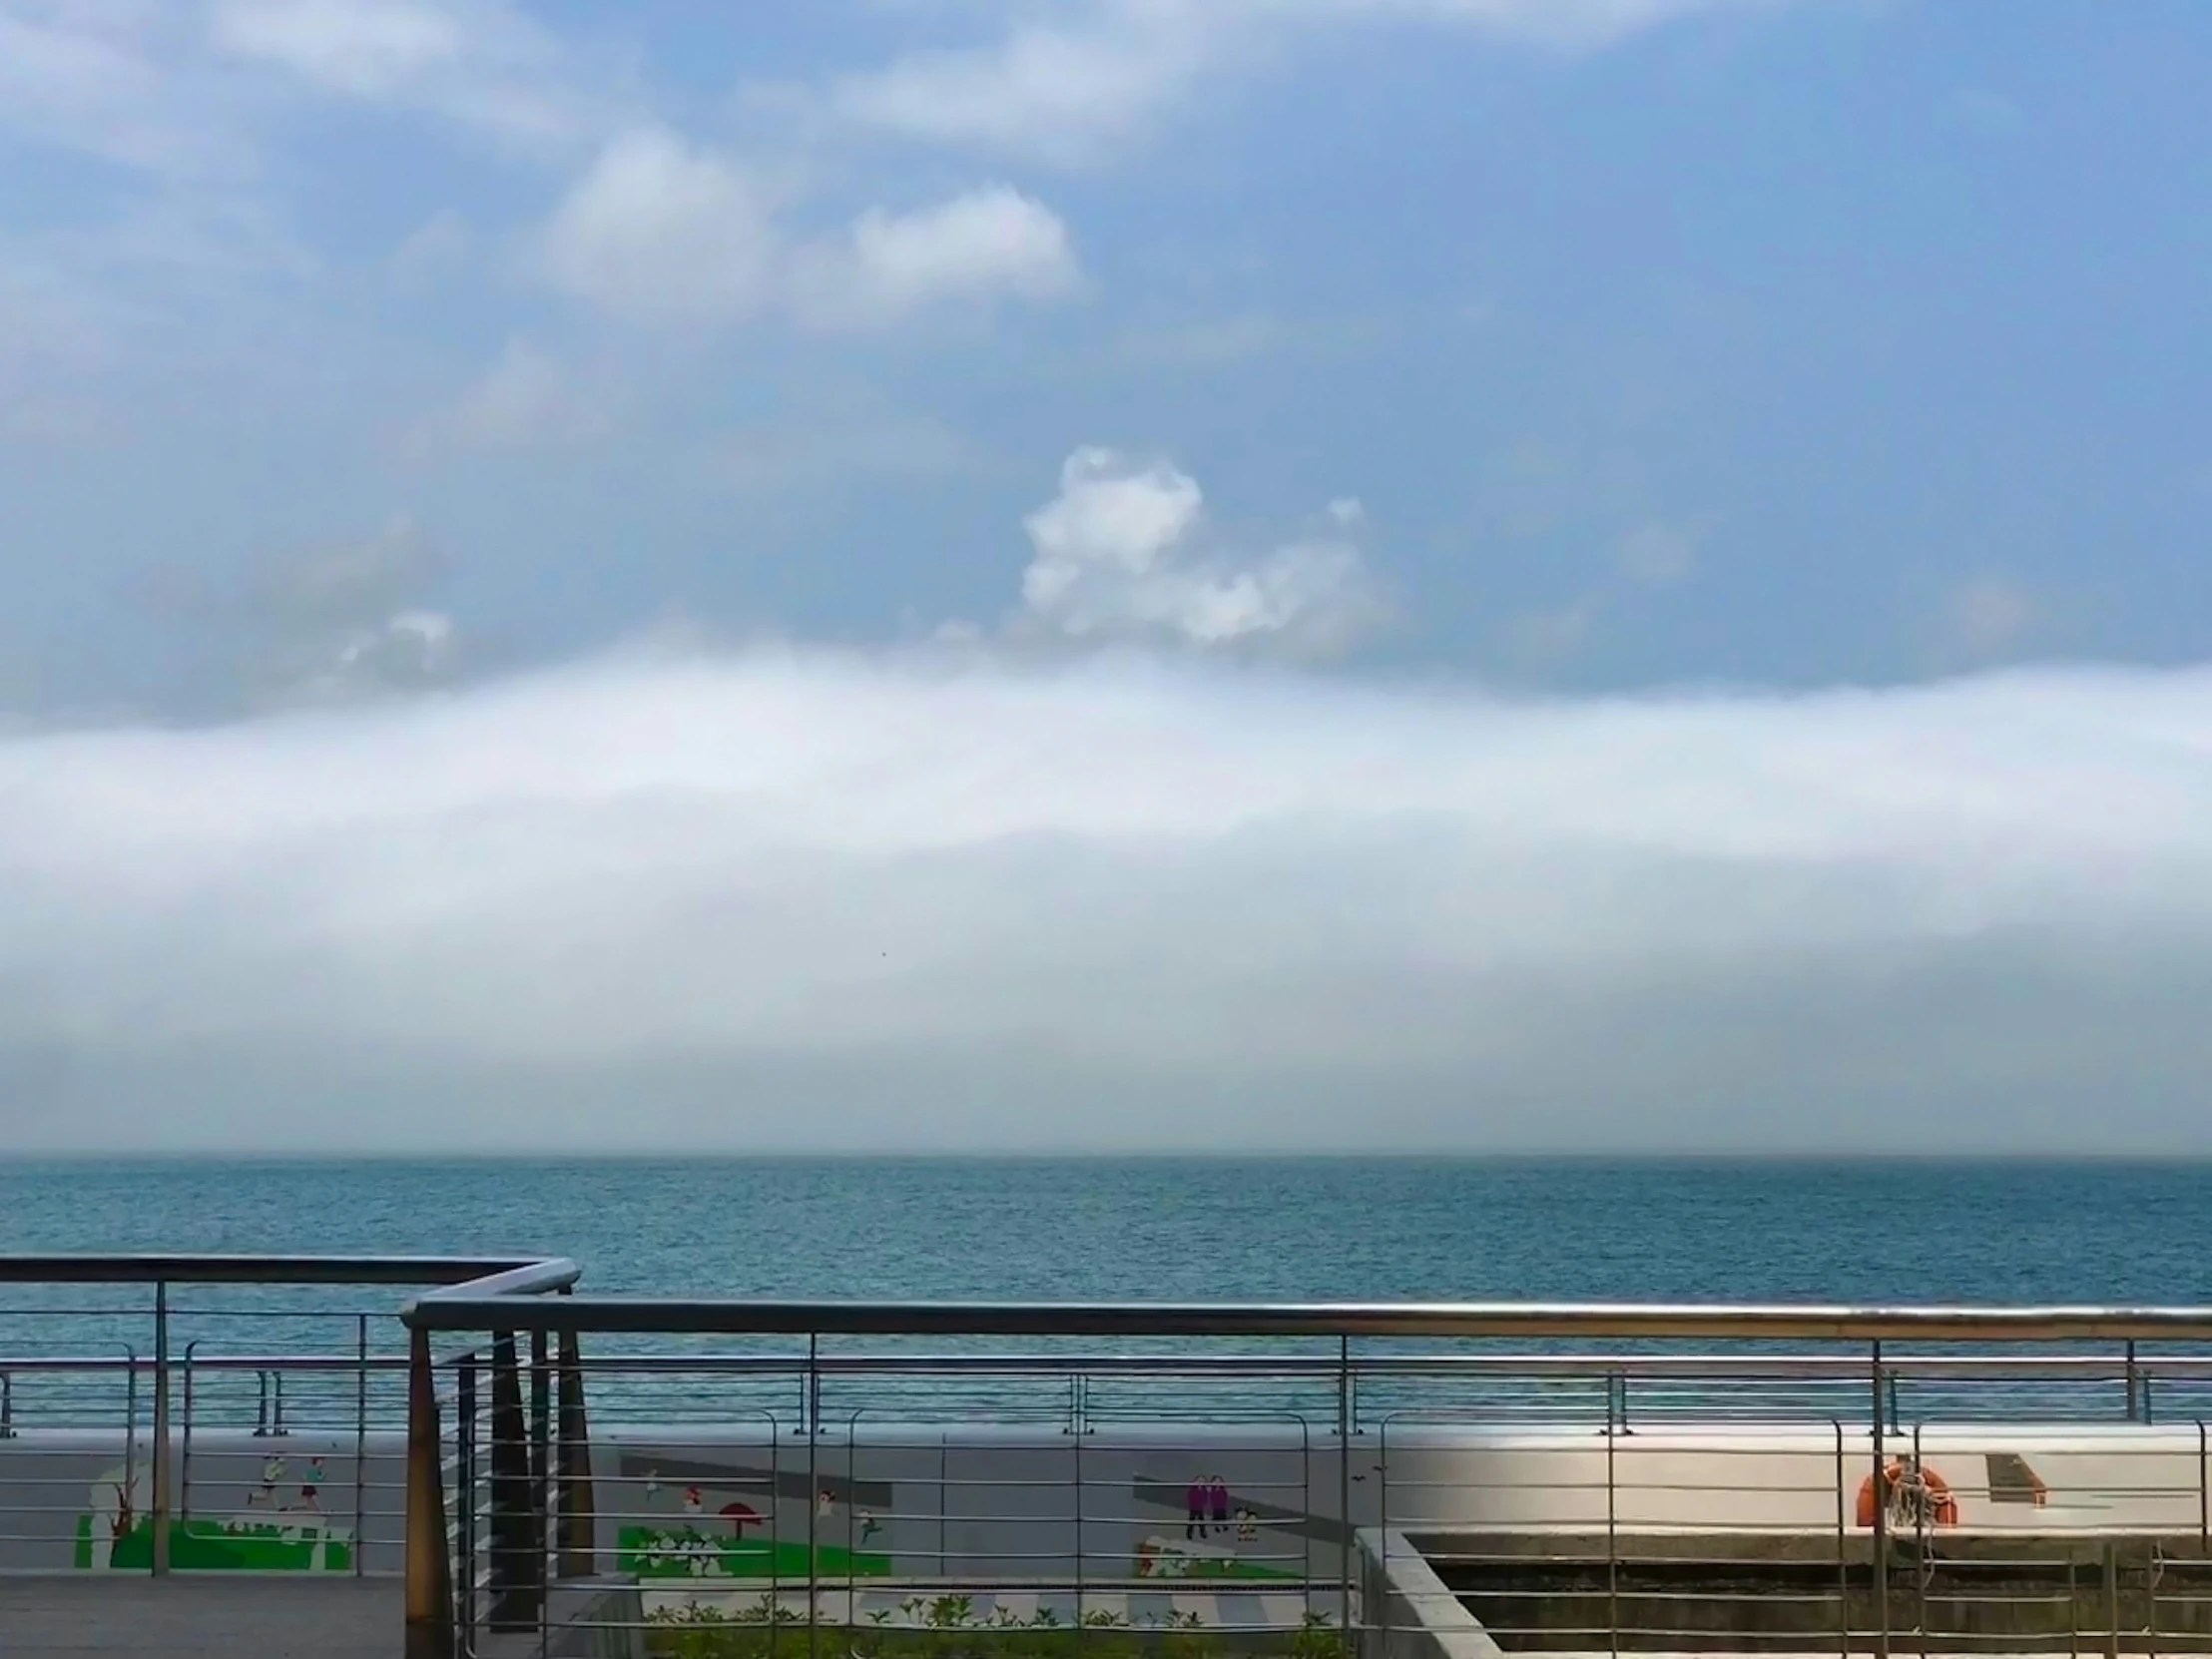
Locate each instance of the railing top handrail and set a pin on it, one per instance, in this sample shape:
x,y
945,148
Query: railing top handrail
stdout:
x,y
482,1275
1701,1367
460,1308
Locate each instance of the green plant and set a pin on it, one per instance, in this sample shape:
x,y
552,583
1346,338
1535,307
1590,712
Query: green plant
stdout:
x,y
946,1627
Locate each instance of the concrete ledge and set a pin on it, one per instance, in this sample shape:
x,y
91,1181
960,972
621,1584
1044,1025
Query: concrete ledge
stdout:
x,y
585,1618
1406,1611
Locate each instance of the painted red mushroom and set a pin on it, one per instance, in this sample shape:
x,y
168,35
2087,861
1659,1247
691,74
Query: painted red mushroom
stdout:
x,y
739,1515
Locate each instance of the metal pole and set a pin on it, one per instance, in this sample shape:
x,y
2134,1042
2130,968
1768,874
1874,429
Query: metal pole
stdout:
x,y
1343,1488
360,1440
517,1556
161,1427
541,1451
814,1493
577,1551
1880,1540
1080,1573
2204,1488
1612,1546
1842,1550
465,1486
429,1583
2112,1601
183,1474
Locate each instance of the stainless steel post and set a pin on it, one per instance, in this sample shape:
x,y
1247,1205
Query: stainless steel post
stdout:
x,y
814,1494
1343,1488
360,1439
161,1427
1880,1553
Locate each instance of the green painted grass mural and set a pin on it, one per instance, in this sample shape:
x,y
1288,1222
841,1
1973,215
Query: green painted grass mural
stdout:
x,y
218,1546
685,1552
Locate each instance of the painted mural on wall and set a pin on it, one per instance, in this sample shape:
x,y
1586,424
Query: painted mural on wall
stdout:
x,y
280,1528
693,1514
1222,1533
723,1522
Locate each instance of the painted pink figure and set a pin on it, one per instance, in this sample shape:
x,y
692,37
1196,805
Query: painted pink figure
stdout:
x,y
1216,1495
1194,1507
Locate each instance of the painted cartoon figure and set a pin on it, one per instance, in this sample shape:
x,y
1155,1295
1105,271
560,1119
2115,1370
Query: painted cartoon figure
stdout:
x,y
1217,1502
1248,1525
273,1471
310,1487
1195,1497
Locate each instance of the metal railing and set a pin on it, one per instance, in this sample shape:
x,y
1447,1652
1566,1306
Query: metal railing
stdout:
x,y
796,1407
152,1364
885,1480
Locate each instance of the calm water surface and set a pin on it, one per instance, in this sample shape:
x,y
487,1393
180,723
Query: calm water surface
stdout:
x,y
1337,1228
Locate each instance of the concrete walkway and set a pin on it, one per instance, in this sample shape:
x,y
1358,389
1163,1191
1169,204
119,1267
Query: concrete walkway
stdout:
x,y
199,1616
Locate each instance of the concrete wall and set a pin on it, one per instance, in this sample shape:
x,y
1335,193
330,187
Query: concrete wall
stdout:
x,y
926,1500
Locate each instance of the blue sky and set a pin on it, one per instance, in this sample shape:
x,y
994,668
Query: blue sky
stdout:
x,y
1557,567
1881,314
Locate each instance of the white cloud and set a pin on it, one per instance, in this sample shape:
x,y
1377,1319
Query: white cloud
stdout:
x,y
436,245
1112,905
823,449
1118,553
331,622
115,82
1065,91
526,400
364,46
1658,556
1072,85
986,244
483,63
1990,616
658,232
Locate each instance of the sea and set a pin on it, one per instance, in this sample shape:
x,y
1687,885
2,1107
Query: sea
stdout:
x,y
1180,1229
1328,1229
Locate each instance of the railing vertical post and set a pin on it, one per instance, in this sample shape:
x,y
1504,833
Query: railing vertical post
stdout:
x,y
517,1555
361,1439
465,1484
429,1580
1343,1488
1879,1543
1842,1549
161,1427
2111,1600
1080,1574
2135,1387
814,1492
578,1550
541,1451
1612,1543
184,1459
2204,1488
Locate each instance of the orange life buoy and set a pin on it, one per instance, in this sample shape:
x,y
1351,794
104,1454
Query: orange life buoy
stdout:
x,y
1906,1482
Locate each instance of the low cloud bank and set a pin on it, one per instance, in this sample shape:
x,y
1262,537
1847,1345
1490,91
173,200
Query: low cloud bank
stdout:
x,y
793,899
